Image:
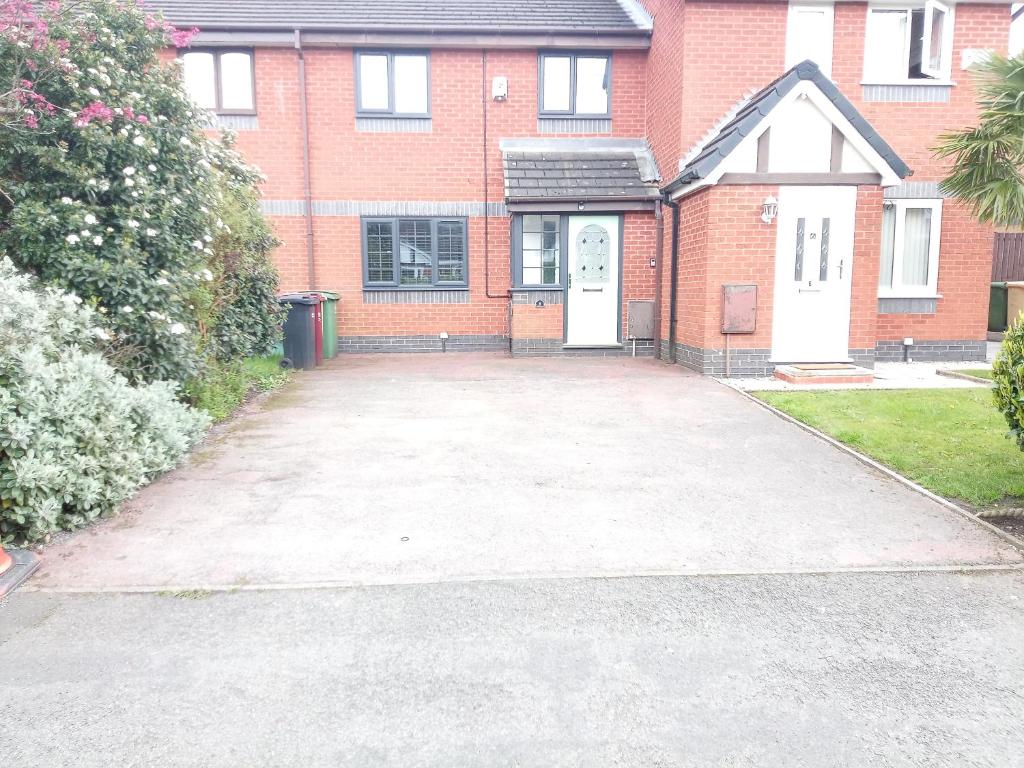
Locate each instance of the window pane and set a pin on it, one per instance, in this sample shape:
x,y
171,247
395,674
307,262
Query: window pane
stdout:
x,y
411,85
591,86
917,234
935,39
888,244
823,263
809,36
373,82
540,250
451,252
380,254
555,88
886,51
798,262
236,81
414,244
199,79
916,43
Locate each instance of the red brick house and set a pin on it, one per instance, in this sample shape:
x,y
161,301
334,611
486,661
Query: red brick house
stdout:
x,y
552,176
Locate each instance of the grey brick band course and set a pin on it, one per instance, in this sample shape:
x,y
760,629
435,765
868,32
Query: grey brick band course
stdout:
x,y
551,347
933,351
483,343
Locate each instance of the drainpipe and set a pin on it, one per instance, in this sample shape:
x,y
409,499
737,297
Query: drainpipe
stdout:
x,y
673,277
484,98
659,250
307,173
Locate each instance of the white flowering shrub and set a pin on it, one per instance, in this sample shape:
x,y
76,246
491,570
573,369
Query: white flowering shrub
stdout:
x,y
111,187
76,437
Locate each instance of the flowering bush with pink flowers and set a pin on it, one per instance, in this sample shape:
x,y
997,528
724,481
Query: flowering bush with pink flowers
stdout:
x,y
109,187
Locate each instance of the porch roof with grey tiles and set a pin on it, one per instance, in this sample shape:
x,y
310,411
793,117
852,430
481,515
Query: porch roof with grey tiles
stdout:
x,y
541,170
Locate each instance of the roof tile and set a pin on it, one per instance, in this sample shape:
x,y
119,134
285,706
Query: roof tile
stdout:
x,y
440,15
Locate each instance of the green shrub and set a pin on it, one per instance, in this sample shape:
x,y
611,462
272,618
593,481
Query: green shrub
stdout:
x,y
111,189
76,437
244,316
1008,374
226,385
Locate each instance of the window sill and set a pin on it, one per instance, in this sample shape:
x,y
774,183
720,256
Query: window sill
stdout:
x,y
538,288
910,295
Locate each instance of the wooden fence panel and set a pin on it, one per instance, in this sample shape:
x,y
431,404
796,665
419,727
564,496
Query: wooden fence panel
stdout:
x,y
1008,256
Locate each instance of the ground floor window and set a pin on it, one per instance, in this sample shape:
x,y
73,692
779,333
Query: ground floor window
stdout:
x,y
910,248
537,250
415,253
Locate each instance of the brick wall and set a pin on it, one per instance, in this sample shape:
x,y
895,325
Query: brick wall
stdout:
x,y
710,87
723,241
913,130
705,56
445,164
639,229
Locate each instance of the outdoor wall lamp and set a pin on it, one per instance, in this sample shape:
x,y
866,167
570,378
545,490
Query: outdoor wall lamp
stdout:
x,y
769,209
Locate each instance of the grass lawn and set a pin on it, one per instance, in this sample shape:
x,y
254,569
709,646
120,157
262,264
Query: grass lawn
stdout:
x,y
951,441
979,373
224,389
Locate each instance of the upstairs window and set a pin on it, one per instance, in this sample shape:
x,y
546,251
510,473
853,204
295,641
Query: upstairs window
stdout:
x,y
809,32
577,84
415,253
908,44
910,248
390,84
221,81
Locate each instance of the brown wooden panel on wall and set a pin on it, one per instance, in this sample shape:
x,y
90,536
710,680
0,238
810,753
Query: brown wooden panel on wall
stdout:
x,y
739,308
1008,257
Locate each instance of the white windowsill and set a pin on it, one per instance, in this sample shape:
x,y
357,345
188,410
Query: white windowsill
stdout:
x,y
910,296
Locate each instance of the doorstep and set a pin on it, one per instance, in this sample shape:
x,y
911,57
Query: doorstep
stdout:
x,y
824,373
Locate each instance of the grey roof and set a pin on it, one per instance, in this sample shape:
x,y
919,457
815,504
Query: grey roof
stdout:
x,y
538,170
565,16
761,104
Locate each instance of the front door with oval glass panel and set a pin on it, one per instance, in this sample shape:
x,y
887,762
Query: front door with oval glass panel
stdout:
x,y
592,301
813,270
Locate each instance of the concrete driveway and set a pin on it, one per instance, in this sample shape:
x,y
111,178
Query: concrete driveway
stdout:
x,y
399,561
403,469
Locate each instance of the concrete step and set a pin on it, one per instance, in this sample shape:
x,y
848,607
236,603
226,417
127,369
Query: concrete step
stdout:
x,y
824,373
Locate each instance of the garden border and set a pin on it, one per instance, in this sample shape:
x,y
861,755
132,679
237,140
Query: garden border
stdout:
x,y
1013,541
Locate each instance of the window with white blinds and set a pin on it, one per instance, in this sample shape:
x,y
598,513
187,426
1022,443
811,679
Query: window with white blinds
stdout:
x,y
910,248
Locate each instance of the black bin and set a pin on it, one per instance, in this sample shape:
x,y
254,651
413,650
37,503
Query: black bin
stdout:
x,y
300,330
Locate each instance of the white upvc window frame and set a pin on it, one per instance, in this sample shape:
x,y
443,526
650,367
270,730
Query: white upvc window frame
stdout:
x,y
941,75
932,8
898,290
793,31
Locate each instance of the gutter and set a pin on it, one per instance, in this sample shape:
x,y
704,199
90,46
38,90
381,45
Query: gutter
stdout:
x,y
306,168
421,29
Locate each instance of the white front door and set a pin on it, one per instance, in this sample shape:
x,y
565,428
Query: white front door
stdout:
x,y
592,301
813,267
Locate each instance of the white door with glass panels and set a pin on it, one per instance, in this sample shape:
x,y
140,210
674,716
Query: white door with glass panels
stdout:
x,y
592,300
813,270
